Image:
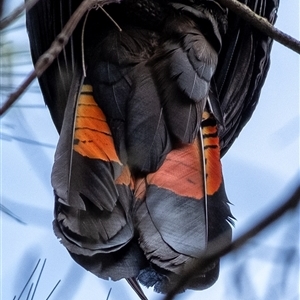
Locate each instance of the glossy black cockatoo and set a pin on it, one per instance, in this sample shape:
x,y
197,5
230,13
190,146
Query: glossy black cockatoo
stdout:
x,y
144,116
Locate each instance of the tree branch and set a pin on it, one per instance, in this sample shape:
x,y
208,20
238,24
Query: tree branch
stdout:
x,y
262,24
57,46
16,13
220,249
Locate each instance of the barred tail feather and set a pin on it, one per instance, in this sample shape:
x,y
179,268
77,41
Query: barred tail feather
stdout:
x,y
177,216
93,198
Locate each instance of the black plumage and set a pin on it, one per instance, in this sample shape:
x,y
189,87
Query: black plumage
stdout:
x,y
137,177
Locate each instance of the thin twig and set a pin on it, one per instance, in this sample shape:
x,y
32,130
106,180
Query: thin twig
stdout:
x,y
218,252
38,280
57,46
62,39
262,24
10,29
18,92
16,13
108,294
109,16
11,214
29,279
29,292
53,289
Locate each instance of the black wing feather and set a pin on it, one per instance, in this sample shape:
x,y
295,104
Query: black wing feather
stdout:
x,y
44,22
246,55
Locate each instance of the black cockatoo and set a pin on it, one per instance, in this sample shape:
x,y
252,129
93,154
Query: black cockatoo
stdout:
x,y
144,116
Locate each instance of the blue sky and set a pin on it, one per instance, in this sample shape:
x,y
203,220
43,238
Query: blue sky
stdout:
x,y
258,172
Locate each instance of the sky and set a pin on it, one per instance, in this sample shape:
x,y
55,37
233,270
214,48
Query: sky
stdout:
x,y
259,170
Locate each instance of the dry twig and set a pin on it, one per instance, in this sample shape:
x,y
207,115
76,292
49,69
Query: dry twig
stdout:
x,y
262,24
57,46
16,13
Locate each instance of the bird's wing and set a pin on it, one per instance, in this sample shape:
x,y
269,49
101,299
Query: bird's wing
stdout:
x,y
243,65
44,22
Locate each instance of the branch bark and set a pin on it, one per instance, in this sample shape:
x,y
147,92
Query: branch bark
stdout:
x,y
262,24
16,13
57,46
